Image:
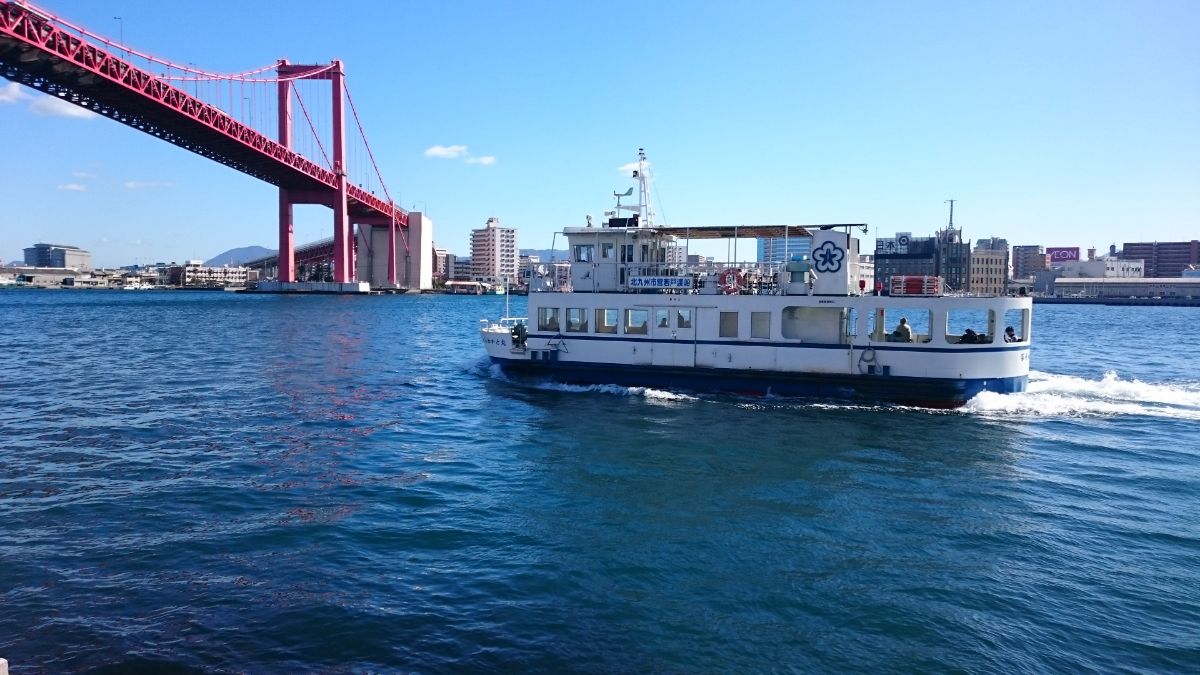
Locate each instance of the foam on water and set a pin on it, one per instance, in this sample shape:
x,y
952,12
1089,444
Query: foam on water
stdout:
x,y
1052,395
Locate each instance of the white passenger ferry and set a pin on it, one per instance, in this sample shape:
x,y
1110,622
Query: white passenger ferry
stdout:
x,y
639,311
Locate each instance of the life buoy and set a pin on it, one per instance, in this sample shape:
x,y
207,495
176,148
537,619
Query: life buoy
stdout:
x,y
730,280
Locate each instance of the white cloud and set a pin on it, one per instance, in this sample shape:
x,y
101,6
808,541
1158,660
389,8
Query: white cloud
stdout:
x,y
11,93
145,184
446,151
53,106
487,160
83,174
73,187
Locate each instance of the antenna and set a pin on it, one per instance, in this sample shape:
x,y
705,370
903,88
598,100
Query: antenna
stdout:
x,y
951,203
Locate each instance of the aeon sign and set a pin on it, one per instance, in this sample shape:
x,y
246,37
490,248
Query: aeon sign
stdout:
x,y
1063,254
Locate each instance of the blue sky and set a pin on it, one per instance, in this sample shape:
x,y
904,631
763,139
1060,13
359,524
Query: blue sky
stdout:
x,y
1054,123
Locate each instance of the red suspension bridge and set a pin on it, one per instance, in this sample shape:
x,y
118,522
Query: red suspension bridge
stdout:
x,y
213,115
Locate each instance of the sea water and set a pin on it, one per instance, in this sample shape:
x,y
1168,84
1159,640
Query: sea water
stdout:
x,y
221,481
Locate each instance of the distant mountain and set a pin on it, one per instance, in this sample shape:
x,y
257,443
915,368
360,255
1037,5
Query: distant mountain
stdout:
x,y
545,254
237,256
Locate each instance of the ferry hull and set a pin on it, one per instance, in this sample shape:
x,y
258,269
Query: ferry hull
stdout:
x,y
914,391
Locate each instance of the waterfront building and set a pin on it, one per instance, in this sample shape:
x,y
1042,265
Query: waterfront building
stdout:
x,y
1027,261
1156,287
461,269
44,277
58,256
778,250
493,253
943,255
527,268
440,268
195,273
989,267
1103,268
1163,258
676,254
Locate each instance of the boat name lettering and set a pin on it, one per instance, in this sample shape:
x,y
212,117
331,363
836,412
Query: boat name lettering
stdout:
x,y
660,282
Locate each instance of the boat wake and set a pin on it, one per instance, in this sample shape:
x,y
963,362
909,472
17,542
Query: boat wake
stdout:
x,y
1051,395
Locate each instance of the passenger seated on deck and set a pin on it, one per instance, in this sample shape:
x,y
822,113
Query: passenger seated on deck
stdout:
x,y
903,332
1010,335
969,337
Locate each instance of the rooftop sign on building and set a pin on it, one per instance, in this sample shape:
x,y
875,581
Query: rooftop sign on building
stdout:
x,y
1062,254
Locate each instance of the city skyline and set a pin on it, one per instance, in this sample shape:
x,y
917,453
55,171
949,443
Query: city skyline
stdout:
x,y
1066,125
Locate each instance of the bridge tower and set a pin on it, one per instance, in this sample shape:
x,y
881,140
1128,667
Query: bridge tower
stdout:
x,y
343,243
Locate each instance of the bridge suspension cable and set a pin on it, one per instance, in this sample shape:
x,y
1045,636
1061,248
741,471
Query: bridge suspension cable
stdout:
x,y
366,143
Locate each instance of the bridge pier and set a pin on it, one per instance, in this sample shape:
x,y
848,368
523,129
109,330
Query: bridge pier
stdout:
x,y
287,242
393,258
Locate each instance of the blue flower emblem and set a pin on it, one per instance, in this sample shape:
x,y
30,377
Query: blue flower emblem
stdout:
x,y
828,258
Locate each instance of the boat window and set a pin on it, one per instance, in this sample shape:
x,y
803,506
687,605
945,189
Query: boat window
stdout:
x,y
576,320
1019,320
626,253
852,323
760,324
970,326
637,321
813,324
606,250
606,321
683,318
548,318
584,252
662,318
883,324
729,324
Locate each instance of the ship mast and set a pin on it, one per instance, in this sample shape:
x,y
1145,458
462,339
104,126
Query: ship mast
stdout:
x,y
645,208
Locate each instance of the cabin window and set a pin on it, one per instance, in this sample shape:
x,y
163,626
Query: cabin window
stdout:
x,y
637,321
971,326
760,325
606,250
683,318
606,321
1018,319
729,324
576,320
919,321
814,324
584,252
626,253
662,318
548,318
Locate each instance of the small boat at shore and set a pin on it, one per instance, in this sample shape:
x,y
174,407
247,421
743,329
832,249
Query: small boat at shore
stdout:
x,y
638,311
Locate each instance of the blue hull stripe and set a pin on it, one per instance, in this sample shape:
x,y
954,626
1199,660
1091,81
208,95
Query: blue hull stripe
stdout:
x,y
919,391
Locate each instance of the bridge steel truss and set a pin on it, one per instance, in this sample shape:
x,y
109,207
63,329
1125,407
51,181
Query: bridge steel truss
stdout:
x,y
35,50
